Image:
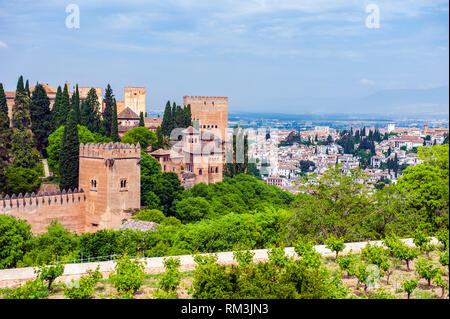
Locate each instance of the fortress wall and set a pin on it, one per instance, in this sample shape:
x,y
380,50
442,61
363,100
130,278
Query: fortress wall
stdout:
x,y
39,210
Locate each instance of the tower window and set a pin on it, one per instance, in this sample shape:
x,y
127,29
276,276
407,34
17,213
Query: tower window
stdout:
x,y
93,185
123,184
200,172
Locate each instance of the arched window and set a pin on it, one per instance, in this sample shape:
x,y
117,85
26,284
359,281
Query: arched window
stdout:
x,y
200,171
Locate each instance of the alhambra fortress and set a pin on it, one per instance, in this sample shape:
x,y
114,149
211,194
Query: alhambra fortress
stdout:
x,y
109,174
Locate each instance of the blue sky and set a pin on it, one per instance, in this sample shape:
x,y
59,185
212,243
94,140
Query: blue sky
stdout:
x,y
287,56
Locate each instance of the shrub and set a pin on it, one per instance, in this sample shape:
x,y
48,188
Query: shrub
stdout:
x,y
409,286
33,289
306,250
348,263
172,276
425,270
85,287
335,244
442,236
50,273
443,259
128,276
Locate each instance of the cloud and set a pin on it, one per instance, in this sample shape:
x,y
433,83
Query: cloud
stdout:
x,y
366,82
3,45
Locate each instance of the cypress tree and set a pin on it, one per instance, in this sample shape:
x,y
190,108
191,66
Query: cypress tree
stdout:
x,y
56,109
4,118
159,135
27,88
141,120
65,105
21,109
69,154
173,123
75,104
90,112
41,117
180,118
108,111
166,121
187,116
114,124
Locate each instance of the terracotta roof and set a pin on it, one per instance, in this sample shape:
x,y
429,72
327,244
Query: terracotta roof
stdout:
x,y
160,152
127,114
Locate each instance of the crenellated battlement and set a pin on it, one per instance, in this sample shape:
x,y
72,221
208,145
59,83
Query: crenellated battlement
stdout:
x,y
219,99
41,199
110,150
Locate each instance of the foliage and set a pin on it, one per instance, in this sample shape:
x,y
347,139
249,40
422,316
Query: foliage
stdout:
x,y
426,270
128,276
33,289
14,238
41,118
409,286
69,155
141,135
55,139
150,215
84,287
171,278
21,180
335,244
348,263
90,112
49,273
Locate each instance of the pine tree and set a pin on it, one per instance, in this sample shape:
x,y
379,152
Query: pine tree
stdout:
x,y
141,120
108,111
4,118
166,121
114,124
75,104
69,154
56,109
21,109
41,117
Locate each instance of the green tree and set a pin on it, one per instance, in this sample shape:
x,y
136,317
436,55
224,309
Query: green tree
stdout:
x,y
69,155
21,180
335,244
21,109
22,151
114,124
41,117
75,104
90,112
108,111
192,209
49,273
85,287
409,286
426,270
128,276
4,118
14,237
141,135
167,121
57,110
141,120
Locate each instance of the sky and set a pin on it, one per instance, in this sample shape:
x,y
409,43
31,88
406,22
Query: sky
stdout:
x,y
285,56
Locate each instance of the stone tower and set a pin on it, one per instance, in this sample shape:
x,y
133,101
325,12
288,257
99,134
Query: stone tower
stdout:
x,y
211,113
135,99
110,178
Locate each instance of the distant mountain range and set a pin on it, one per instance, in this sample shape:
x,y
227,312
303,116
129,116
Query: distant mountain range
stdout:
x,y
386,103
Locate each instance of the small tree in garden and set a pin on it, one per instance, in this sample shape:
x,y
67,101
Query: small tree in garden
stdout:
x,y
306,250
378,256
128,276
423,242
85,287
440,282
278,257
443,259
405,253
335,244
442,236
244,257
362,274
409,286
172,276
348,263
426,270
50,273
